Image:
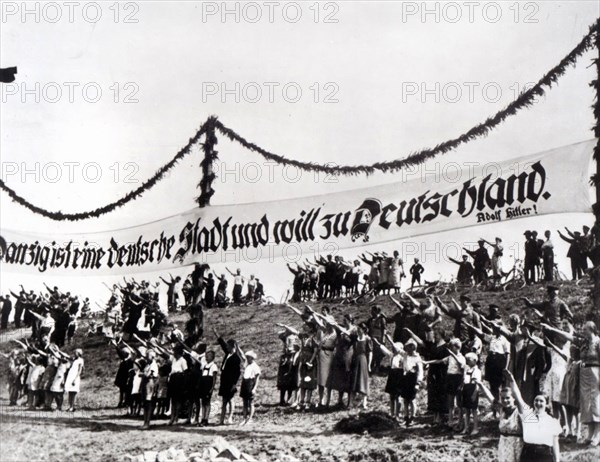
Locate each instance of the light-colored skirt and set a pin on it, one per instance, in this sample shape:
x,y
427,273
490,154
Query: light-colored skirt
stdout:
x,y
325,357
589,398
510,448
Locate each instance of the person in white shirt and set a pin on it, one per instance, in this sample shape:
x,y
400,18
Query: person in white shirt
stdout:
x,y
177,383
250,378
150,374
208,379
411,382
540,429
454,377
470,393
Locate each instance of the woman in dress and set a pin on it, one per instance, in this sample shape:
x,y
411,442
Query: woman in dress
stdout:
x,y
326,339
308,366
361,364
436,376
341,365
589,376
73,379
510,444
552,382
396,272
569,394
58,384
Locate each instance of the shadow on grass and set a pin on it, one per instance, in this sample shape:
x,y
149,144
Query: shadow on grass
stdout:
x,y
108,424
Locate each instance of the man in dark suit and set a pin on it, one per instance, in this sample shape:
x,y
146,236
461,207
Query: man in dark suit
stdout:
x,y
231,369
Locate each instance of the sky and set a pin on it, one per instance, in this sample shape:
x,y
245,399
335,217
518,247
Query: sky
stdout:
x,y
107,93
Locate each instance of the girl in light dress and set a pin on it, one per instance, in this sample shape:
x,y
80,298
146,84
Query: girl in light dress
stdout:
x,y
58,384
72,382
510,444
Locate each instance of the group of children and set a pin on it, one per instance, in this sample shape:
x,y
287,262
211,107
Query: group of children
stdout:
x,y
39,376
170,378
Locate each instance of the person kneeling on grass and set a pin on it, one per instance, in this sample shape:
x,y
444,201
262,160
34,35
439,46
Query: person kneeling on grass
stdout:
x,y
250,380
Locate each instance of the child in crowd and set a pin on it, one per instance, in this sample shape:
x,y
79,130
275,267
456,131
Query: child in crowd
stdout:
x,y
413,376
470,393
250,380
393,385
208,380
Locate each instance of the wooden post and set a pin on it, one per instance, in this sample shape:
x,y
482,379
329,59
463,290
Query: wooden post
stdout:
x,y
210,155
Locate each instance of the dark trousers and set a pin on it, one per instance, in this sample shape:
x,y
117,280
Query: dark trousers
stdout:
x,y
530,272
576,270
549,267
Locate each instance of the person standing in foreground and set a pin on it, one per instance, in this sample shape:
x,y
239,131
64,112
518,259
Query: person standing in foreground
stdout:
x,y
250,380
73,378
230,374
150,381
540,429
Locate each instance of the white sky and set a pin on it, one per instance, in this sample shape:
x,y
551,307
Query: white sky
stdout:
x,y
374,52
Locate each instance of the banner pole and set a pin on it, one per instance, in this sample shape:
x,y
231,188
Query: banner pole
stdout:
x,y
210,155
595,273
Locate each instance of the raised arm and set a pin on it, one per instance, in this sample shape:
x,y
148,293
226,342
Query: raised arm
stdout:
x,y
560,333
415,337
521,405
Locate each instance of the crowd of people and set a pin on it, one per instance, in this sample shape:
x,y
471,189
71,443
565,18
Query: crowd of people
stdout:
x,y
540,371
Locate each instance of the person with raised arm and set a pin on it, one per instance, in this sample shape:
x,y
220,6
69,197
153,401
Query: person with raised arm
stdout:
x,y
510,444
230,375
250,380
553,309
456,364
393,385
465,270
238,285
481,261
461,313
287,371
361,364
341,366
412,379
496,261
540,430
150,375
589,375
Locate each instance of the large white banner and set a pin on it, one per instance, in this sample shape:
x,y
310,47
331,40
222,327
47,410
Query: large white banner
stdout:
x,y
555,181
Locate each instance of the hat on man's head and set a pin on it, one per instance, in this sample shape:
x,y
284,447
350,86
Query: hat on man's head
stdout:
x,y
551,287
